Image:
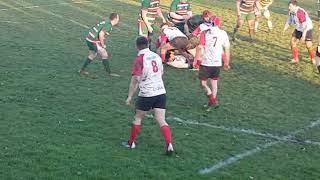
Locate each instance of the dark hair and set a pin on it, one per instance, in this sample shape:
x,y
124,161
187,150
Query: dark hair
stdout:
x,y
293,2
113,16
164,24
142,42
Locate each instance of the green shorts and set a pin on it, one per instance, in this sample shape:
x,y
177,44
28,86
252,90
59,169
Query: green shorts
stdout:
x,y
92,46
247,16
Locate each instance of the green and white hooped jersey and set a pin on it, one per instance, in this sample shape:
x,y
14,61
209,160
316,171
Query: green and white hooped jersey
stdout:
x,y
179,8
93,34
152,7
247,6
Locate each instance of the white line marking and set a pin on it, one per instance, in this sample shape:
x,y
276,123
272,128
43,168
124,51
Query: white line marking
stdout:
x,y
223,163
48,5
237,157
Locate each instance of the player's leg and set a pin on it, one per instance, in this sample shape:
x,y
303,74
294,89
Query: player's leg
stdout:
x,y
309,46
251,22
104,57
296,35
267,15
214,77
204,73
91,56
159,115
142,28
239,23
257,19
143,105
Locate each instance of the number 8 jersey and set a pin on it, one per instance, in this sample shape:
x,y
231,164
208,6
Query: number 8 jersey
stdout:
x,y
213,40
148,65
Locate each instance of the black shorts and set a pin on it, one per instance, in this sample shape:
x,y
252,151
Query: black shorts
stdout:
x,y
179,42
209,72
148,103
298,34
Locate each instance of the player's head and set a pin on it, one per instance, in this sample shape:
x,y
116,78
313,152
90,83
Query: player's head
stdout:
x,y
142,43
292,5
216,21
114,18
206,15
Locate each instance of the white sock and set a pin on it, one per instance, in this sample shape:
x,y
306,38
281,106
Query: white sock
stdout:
x,y
270,24
256,24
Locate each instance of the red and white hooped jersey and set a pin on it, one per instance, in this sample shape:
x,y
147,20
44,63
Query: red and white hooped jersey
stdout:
x,y
300,17
214,40
170,33
148,65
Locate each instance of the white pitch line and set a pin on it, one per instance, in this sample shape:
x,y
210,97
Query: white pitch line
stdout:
x,y
48,5
237,157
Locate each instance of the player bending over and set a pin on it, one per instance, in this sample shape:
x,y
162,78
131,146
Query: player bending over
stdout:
x,y
302,32
95,40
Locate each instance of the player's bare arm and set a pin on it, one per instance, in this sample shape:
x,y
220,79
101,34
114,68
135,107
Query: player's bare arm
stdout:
x,y
102,37
132,88
159,12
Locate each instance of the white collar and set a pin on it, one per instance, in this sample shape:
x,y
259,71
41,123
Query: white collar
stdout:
x,y
143,51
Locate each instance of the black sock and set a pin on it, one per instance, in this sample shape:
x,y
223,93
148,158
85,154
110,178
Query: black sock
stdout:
x,y
86,63
106,65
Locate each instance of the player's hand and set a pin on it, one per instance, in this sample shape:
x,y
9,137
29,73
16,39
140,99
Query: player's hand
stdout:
x,y
128,101
226,67
150,29
196,64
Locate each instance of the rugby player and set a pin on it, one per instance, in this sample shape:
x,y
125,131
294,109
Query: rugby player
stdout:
x,y
150,9
302,32
262,7
213,43
245,12
95,40
180,11
147,71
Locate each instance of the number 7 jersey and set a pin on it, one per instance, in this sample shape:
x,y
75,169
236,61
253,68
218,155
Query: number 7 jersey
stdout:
x,y
213,40
148,65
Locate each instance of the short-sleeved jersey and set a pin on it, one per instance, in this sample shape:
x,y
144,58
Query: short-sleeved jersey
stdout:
x,y
93,34
148,65
300,17
247,6
179,8
152,7
201,28
171,33
194,22
265,3
214,40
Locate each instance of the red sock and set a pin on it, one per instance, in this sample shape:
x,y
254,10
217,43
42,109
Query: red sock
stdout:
x,y
294,51
163,57
134,131
165,130
311,53
212,100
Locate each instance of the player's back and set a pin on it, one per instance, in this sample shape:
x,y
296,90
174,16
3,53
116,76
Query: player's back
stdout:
x,y
151,83
173,32
215,40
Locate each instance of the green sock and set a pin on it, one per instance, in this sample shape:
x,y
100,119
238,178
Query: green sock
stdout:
x,y
86,63
106,65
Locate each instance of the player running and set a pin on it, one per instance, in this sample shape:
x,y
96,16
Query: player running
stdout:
x,y
213,43
150,9
302,32
95,40
147,73
180,11
245,12
262,8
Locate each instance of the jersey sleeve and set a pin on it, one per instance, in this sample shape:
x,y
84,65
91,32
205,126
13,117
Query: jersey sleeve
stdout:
x,y
202,40
173,6
137,66
197,31
145,4
301,16
163,37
